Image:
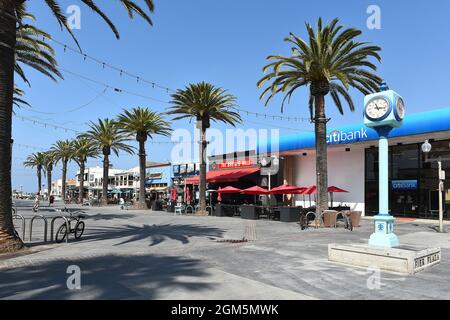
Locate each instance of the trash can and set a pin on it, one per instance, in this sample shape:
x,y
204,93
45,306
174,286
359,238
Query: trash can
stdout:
x,y
329,218
355,217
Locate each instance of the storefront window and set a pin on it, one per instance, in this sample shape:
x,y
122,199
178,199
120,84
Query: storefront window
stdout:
x,y
413,182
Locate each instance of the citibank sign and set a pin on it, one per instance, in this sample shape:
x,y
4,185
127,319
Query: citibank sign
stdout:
x,y
339,136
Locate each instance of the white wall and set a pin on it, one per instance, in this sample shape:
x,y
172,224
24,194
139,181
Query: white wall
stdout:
x,y
345,170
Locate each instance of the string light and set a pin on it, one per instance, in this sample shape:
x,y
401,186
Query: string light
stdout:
x,y
165,88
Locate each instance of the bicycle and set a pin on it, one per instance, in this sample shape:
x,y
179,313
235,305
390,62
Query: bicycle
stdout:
x,y
78,231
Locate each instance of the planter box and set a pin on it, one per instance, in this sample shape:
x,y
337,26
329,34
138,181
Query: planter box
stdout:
x,y
170,207
249,212
289,214
219,212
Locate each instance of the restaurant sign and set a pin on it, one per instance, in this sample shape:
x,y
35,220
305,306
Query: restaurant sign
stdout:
x,y
236,164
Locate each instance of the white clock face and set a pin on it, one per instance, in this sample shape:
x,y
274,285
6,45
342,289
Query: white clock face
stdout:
x,y
400,106
377,108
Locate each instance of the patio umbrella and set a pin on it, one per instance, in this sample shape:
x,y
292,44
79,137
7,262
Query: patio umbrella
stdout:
x,y
309,191
188,195
227,190
334,189
173,195
256,190
287,189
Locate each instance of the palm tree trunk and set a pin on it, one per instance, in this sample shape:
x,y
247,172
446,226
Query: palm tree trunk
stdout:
x,y
105,180
49,181
320,122
202,187
142,166
39,175
8,240
64,175
81,188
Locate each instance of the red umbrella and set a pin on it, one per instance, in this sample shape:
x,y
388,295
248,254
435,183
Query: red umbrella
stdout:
x,y
255,191
309,191
188,195
286,189
334,189
230,190
173,195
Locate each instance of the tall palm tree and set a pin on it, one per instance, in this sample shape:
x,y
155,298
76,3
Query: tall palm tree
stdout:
x,y
49,162
82,150
107,137
36,160
205,103
63,152
143,123
11,14
329,62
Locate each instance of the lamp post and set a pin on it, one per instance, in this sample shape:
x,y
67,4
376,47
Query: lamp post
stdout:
x,y
426,149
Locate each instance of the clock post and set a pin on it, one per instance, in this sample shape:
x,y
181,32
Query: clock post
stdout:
x,y
383,112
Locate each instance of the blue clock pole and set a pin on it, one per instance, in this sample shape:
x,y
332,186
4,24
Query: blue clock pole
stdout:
x,y
383,111
383,235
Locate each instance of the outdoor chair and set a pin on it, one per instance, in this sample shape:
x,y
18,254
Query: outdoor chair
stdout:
x,y
330,218
179,209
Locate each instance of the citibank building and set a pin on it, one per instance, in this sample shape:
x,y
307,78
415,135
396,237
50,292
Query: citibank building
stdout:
x,y
353,165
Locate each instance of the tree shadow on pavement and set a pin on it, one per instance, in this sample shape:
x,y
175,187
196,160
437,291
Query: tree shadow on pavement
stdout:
x,y
106,277
110,216
155,233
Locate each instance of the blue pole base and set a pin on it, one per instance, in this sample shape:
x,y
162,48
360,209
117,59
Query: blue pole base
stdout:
x,y
384,235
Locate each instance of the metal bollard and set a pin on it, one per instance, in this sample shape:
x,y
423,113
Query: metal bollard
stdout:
x,y
45,226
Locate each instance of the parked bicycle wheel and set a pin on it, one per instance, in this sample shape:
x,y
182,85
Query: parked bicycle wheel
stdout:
x,y
61,234
79,229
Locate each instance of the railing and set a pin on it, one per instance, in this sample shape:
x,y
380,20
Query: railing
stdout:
x,y
19,216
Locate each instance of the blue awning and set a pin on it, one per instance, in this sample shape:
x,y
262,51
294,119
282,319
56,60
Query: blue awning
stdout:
x,y
418,123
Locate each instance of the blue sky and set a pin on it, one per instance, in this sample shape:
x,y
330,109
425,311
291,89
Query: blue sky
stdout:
x,y
225,43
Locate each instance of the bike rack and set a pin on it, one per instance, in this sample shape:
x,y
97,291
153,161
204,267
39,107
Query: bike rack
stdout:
x,y
186,209
19,216
45,226
52,224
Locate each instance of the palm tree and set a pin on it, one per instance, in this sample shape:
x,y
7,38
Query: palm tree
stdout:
x,y
204,102
11,14
63,152
36,160
143,123
82,150
49,162
329,62
107,137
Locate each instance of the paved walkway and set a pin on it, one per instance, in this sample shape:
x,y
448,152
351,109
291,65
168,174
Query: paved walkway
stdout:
x,y
155,255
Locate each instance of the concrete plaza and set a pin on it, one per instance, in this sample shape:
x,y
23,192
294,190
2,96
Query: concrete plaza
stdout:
x,y
156,255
